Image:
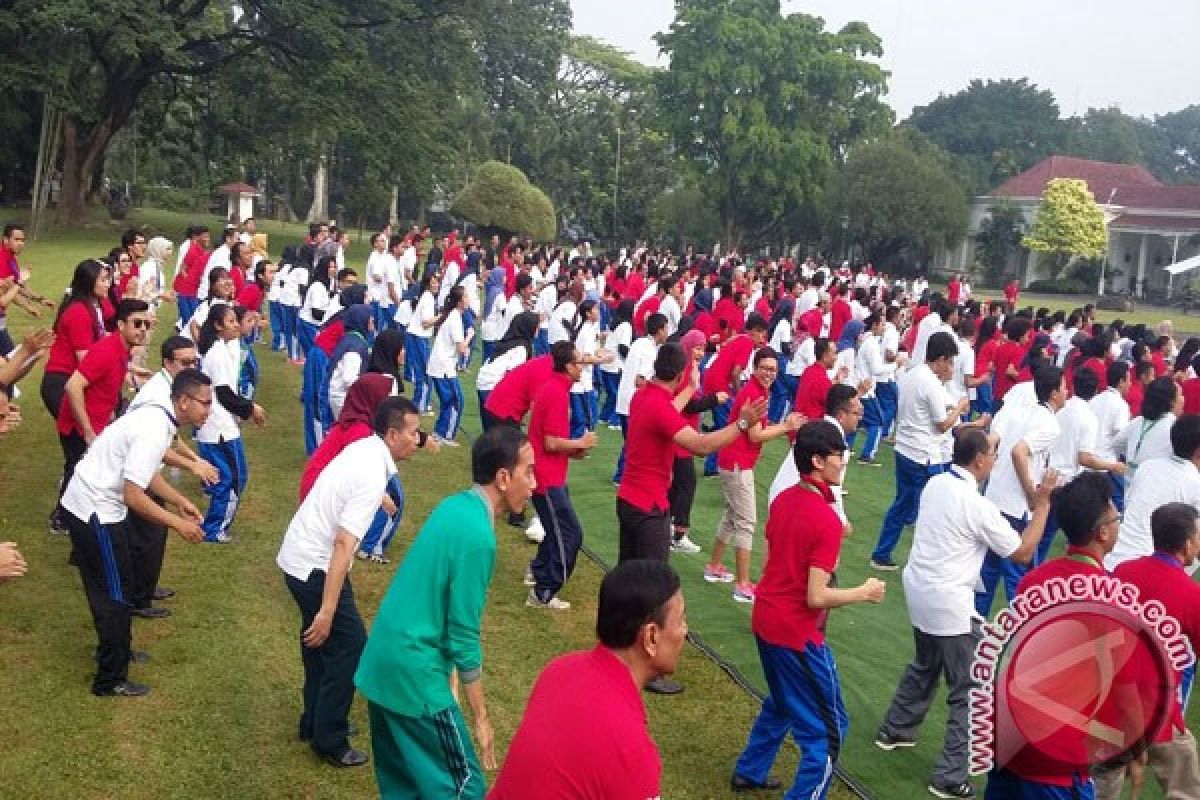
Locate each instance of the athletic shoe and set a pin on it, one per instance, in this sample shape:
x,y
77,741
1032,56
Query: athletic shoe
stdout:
x,y
528,580
740,783
220,538
663,685
56,523
870,462
296,362
684,544
964,789
612,427
884,565
718,574
553,604
448,442
429,413
535,532
124,689
744,592
890,741
361,555
378,559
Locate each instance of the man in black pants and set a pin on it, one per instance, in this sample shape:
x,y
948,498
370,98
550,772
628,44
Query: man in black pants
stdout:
x,y
110,483
655,427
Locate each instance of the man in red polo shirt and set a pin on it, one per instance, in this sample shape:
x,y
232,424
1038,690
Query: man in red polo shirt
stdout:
x,y
793,603
1163,576
736,464
839,312
642,625
93,391
187,280
1091,523
549,434
724,374
1009,355
513,395
814,384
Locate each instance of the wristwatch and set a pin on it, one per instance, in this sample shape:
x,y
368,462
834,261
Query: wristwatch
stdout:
x,y
743,425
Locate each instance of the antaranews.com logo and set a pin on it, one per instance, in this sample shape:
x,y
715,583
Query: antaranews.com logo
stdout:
x,y
1079,669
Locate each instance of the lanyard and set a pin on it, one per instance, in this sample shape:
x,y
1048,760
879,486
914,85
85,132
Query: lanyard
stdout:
x,y
1142,437
1084,557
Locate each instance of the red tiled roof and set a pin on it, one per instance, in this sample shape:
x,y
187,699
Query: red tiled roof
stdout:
x,y
1147,197
1161,223
238,188
1102,177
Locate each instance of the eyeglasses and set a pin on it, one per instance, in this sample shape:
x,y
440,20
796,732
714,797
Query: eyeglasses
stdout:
x,y
199,400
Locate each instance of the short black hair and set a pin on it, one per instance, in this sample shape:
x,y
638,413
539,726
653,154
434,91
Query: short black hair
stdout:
x,y
756,322
1080,504
391,413
12,227
838,398
497,448
129,306
563,354
633,594
172,345
1086,383
524,281
1159,397
763,353
820,345
670,362
1185,436
1046,380
941,345
655,323
1171,526
1116,372
818,438
970,444
187,381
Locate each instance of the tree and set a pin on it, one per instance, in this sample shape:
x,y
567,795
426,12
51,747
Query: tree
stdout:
x,y
1068,223
1182,132
998,128
684,215
999,237
1105,134
500,197
897,194
763,106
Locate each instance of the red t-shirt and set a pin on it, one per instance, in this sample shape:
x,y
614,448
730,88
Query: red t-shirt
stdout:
x,y
550,415
985,357
839,315
513,395
583,736
953,290
1161,577
1159,362
706,323
104,366
78,328
187,282
250,296
1011,292
803,531
649,454
635,286
1137,391
812,390
645,309
1007,353
730,313
510,275
1098,366
337,440
692,419
1191,396
729,363
742,453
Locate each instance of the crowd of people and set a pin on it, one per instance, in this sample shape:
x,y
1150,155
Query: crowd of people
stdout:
x,y
1020,422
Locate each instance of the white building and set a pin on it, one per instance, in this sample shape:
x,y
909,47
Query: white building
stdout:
x,y
1150,225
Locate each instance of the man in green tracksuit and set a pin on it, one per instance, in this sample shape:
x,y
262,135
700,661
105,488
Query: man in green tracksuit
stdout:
x,y
428,627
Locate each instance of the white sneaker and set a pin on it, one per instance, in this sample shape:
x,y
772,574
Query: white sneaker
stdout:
x,y
684,544
553,604
529,581
535,532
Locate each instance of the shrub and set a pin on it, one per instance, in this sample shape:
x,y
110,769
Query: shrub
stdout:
x,y
1060,286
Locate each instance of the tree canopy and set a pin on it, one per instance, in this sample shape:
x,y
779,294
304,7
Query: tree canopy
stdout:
x,y
1068,222
500,198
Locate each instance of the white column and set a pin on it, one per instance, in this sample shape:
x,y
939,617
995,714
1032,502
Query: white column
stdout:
x,y
1139,290
1030,267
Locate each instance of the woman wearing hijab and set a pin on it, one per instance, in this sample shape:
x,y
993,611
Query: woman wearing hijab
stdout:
x,y
152,274
316,368
349,359
780,333
450,342
847,354
387,356
508,353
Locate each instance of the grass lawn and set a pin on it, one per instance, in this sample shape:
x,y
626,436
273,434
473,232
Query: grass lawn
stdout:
x,y
226,674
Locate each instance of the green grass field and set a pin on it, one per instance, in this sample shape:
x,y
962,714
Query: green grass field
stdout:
x,y
226,671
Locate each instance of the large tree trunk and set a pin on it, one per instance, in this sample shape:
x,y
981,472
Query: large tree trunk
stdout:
x,y
319,211
83,162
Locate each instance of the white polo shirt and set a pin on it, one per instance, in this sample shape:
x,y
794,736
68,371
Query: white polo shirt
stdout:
x,y
1156,482
223,364
669,308
922,406
130,449
425,311
621,335
380,272
561,319
869,363
346,495
788,475
639,362
443,356
496,368
803,357
1112,417
155,391
1038,428
956,526
1144,439
928,326
1079,432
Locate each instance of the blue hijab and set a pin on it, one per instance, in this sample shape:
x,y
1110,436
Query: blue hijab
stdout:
x,y
850,333
355,321
704,300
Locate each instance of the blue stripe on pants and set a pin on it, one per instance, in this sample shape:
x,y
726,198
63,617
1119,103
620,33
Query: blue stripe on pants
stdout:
x,y
416,362
306,335
582,417
383,527
108,558
995,567
610,382
291,336
450,405
805,700
275,316
555,559
886,393
229,457
872,421
316,405
911,478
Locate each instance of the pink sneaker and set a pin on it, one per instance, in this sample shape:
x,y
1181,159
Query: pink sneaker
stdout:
x,y
744,592
718,574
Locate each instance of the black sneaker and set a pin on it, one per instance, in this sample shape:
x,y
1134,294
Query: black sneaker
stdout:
x,y
890,741
964,789
56,524
884,565
664,685
124,689
347,758
739,783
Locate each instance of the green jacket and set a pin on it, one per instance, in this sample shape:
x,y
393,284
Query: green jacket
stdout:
x,y
429,621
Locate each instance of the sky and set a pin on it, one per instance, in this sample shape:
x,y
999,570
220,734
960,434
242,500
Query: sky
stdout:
x,y
1137,56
